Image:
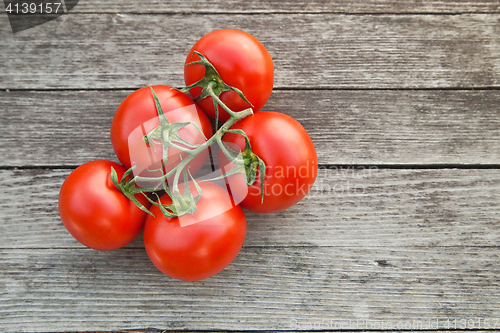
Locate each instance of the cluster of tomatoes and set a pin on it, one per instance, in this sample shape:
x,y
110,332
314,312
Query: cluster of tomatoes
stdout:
x,y
193,227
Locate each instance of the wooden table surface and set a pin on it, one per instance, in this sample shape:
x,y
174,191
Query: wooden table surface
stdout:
x,y
400,232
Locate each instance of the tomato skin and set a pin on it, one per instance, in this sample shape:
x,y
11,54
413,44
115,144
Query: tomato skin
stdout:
x,y
95,212
290,158
196,246
242,62
137,116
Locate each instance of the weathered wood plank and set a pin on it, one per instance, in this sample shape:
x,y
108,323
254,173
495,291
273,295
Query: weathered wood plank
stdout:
x,y
272,288
347,127
309,50
288,6
373,208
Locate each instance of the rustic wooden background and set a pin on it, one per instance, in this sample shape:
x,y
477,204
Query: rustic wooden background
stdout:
x,y
402,100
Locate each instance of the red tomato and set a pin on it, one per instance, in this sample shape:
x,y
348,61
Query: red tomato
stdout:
x,y
95,212
290,158
137,116
196,246
242,62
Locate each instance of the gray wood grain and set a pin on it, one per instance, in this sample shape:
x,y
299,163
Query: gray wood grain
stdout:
x,y
348,127
373,208
271,288
288,6
376,246
309,50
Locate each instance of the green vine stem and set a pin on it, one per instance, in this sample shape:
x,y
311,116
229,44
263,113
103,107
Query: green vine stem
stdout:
x,y
166,134
193,153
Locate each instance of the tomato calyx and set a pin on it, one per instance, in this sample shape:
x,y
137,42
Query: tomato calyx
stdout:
x,y
212,86
250,161
167,135
128,188
181,204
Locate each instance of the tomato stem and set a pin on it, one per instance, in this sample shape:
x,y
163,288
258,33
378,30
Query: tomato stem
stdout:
x,y
193,153
167,135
